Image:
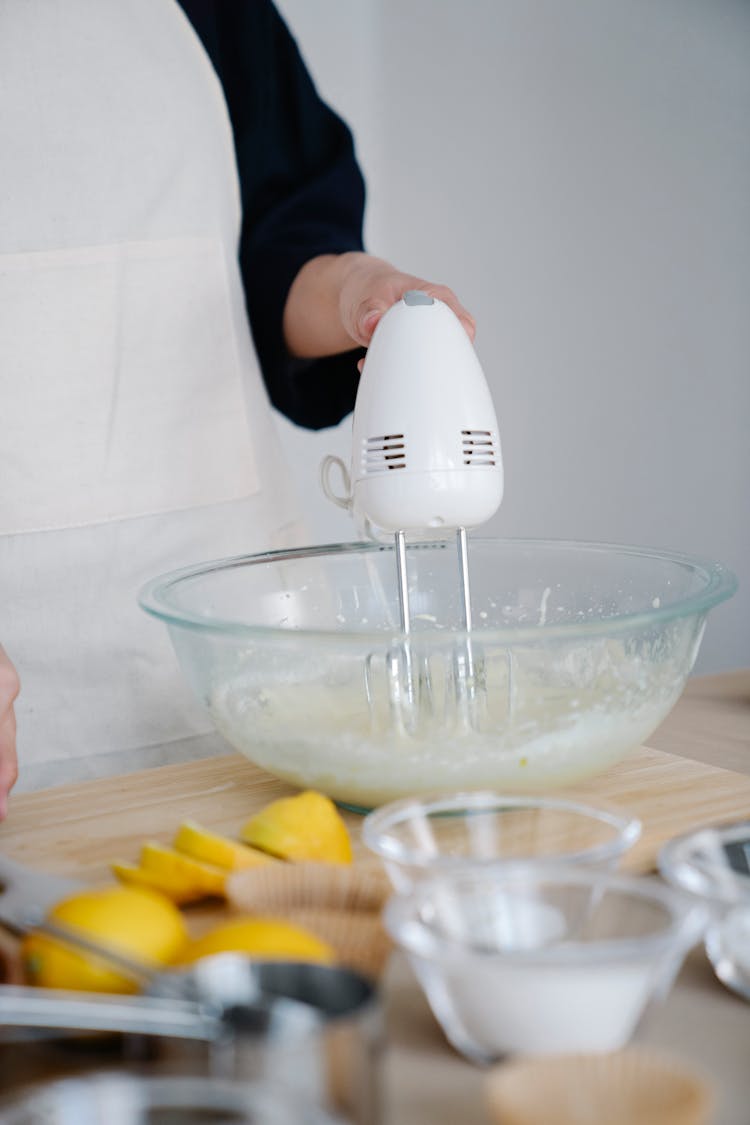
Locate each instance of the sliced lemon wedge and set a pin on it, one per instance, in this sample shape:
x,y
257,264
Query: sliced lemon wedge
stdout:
x,y
171,864
180,891
210,847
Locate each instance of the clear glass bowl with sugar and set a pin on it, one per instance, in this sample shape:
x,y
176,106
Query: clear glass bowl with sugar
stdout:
x,y
541,959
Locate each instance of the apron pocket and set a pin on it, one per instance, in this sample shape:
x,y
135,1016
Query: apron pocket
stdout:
x,y
120,385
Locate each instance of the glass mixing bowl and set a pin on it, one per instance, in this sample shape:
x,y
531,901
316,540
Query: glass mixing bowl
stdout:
x,y
577,653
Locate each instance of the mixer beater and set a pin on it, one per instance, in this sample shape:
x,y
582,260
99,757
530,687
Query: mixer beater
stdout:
x,y
426,462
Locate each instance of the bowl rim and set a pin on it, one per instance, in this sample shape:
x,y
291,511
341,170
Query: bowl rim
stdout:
x,y
687,920
377,824
682,867
169,1091
720,584
729,969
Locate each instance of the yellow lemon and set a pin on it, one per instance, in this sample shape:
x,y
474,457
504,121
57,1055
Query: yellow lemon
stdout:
x,y
133,921
181,891
305,827
205,878
262,938
210,847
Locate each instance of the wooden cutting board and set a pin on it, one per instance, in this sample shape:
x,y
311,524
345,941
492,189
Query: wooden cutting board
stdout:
x,y
78,829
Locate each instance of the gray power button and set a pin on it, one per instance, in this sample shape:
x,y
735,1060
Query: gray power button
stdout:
x,y
417,297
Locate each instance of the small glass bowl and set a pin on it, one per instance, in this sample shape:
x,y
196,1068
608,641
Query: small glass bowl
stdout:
x,y
540,958
728,949
439,833
712,862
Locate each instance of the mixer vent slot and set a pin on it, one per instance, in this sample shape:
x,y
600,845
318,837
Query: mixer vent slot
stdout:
x,y
479,448
388,451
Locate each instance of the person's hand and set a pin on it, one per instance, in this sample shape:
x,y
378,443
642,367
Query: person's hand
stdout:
x,y
9,688
371,286
336,301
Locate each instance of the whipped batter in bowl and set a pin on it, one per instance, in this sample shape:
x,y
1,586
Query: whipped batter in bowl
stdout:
x,y
578,652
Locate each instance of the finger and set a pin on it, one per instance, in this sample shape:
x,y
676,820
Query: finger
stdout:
x,y
449,298
367,320
9,688
469,325
380,288
8,759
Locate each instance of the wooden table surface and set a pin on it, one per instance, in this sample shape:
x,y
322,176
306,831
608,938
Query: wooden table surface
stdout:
x,y
76,829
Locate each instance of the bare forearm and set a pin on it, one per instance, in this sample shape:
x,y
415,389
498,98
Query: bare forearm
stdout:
x,y
312,320
8,764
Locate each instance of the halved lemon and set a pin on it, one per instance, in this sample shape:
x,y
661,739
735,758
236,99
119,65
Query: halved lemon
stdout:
x,y
263,938
305,827
133,921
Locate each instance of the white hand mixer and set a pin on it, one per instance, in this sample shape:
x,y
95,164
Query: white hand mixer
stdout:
x,y
425,460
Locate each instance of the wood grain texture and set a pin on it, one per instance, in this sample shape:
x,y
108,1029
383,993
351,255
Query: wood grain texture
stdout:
x,y
711,722
79,829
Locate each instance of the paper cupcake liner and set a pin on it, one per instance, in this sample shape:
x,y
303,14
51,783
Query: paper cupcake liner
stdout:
x,y
360,941
634,1086
341,905
300,885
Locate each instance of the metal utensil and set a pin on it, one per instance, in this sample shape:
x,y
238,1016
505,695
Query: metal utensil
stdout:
x,y
50,1008
338,1065
315,1028
25,895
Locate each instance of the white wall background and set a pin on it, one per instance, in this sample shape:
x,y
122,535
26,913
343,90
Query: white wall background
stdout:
x,y
579,172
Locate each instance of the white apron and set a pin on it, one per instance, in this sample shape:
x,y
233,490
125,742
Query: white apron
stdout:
x,y
135,431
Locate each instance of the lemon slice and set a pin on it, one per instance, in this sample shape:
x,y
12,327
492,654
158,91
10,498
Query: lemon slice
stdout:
x,y
210,847
171,864
181,891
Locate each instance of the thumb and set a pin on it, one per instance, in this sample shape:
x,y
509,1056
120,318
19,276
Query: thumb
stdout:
x,y
367,321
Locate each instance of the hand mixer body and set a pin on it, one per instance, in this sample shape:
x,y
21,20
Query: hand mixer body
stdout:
x,y
425,444
425,459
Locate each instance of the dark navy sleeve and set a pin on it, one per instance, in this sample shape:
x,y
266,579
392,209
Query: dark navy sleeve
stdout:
x,y
302,192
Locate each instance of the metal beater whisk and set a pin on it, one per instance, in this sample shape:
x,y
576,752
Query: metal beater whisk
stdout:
x,y
425,461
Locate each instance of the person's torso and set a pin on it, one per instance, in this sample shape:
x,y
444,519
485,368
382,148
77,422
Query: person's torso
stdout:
x,y
135,434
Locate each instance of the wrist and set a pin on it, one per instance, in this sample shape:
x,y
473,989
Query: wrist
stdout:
x,y
313,324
